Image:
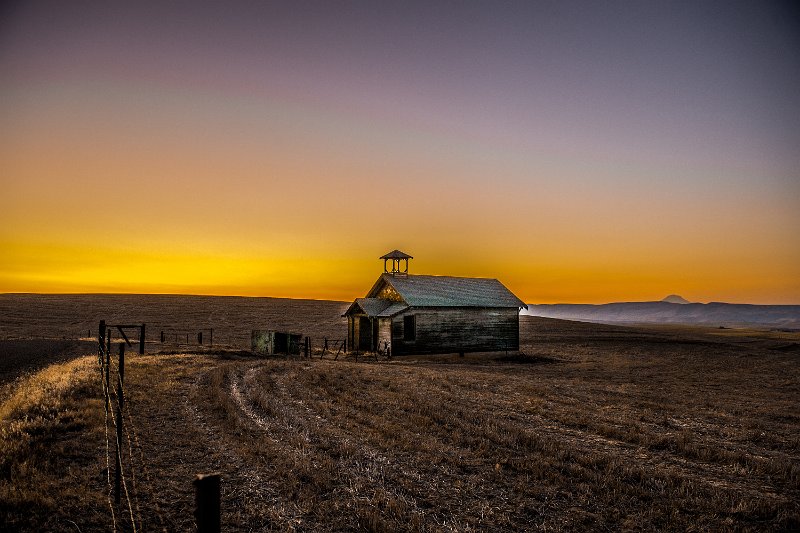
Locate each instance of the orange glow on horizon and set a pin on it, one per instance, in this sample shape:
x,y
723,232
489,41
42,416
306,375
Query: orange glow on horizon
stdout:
x,y
332,275
137,160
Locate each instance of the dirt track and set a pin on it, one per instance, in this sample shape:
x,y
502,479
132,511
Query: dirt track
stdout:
x,y
632,442
597,427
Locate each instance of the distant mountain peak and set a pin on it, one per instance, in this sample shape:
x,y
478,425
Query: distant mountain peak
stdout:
x,y
675,299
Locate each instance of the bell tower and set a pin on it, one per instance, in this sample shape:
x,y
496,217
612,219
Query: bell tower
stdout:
x,y
395,256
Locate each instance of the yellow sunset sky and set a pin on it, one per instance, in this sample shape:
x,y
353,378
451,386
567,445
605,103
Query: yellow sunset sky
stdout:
x,y
220,152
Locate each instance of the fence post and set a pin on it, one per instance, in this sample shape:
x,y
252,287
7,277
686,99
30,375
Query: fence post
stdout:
x,y
141,340
162,336
101,339
343,345
207,502
200,338
120,402
210,337
307,347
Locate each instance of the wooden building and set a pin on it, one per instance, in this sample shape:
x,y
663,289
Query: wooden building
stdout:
x,y
414,314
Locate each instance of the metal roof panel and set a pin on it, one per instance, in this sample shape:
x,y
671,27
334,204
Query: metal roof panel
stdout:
x,y
449,291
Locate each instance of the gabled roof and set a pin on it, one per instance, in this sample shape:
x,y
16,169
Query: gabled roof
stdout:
x,y
370,306
448,291
375,307
396,254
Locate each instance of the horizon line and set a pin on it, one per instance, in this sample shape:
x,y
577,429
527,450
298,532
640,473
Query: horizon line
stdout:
x,y
29,293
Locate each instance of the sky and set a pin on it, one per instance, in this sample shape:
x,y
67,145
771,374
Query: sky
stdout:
x,y
577,151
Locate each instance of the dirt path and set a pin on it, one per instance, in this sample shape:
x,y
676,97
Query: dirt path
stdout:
x,y
331,446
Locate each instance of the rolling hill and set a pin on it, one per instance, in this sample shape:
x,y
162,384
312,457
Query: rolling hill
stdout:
x,y
668,312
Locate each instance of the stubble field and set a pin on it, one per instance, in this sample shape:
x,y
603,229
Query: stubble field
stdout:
x,y
596,427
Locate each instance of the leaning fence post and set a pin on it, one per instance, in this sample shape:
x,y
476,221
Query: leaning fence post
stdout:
x,y
141,341
207,502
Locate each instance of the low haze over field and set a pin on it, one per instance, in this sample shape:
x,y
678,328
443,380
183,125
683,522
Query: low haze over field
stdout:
x,y
580,152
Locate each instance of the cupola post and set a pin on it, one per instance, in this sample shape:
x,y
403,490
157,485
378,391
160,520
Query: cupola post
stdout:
x,y
396,256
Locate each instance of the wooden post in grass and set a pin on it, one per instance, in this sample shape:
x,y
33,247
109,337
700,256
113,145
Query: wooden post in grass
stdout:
x,y
101,339
141,341
342,346
207,502
107,342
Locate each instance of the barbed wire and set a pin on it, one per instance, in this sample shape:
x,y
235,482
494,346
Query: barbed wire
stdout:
x,y
117,396
119,453
108,443
145,471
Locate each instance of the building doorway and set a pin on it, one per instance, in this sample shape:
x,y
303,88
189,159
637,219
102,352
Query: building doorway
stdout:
x,y
365,335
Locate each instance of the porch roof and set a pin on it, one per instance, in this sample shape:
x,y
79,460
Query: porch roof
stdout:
x,y
375,307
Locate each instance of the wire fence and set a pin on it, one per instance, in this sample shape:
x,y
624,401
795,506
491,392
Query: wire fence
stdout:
x,y
123,447
128,478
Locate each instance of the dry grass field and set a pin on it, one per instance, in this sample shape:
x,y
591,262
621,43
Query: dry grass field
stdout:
x,y
594,428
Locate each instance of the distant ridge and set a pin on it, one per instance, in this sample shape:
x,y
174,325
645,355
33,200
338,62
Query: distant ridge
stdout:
x,y
667,312
675,299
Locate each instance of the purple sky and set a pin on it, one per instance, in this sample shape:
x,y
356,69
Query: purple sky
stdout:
x,y
674,116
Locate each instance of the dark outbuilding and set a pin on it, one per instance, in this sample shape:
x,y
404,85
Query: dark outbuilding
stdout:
x,y
415,314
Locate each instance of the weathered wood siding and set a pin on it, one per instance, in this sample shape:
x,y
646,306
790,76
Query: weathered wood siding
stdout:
x,y
459,329
384,332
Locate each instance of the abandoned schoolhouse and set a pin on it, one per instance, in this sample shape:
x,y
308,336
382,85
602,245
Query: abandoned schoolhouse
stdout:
x,y
406,314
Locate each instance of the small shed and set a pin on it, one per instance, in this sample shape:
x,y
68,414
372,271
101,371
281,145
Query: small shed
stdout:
x,y
419,314
275,342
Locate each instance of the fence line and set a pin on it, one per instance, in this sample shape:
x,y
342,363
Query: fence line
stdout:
x,y
116,399
102,354
121,483
125,474
122,421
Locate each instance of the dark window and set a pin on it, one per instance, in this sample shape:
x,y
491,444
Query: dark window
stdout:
x,y
409,328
